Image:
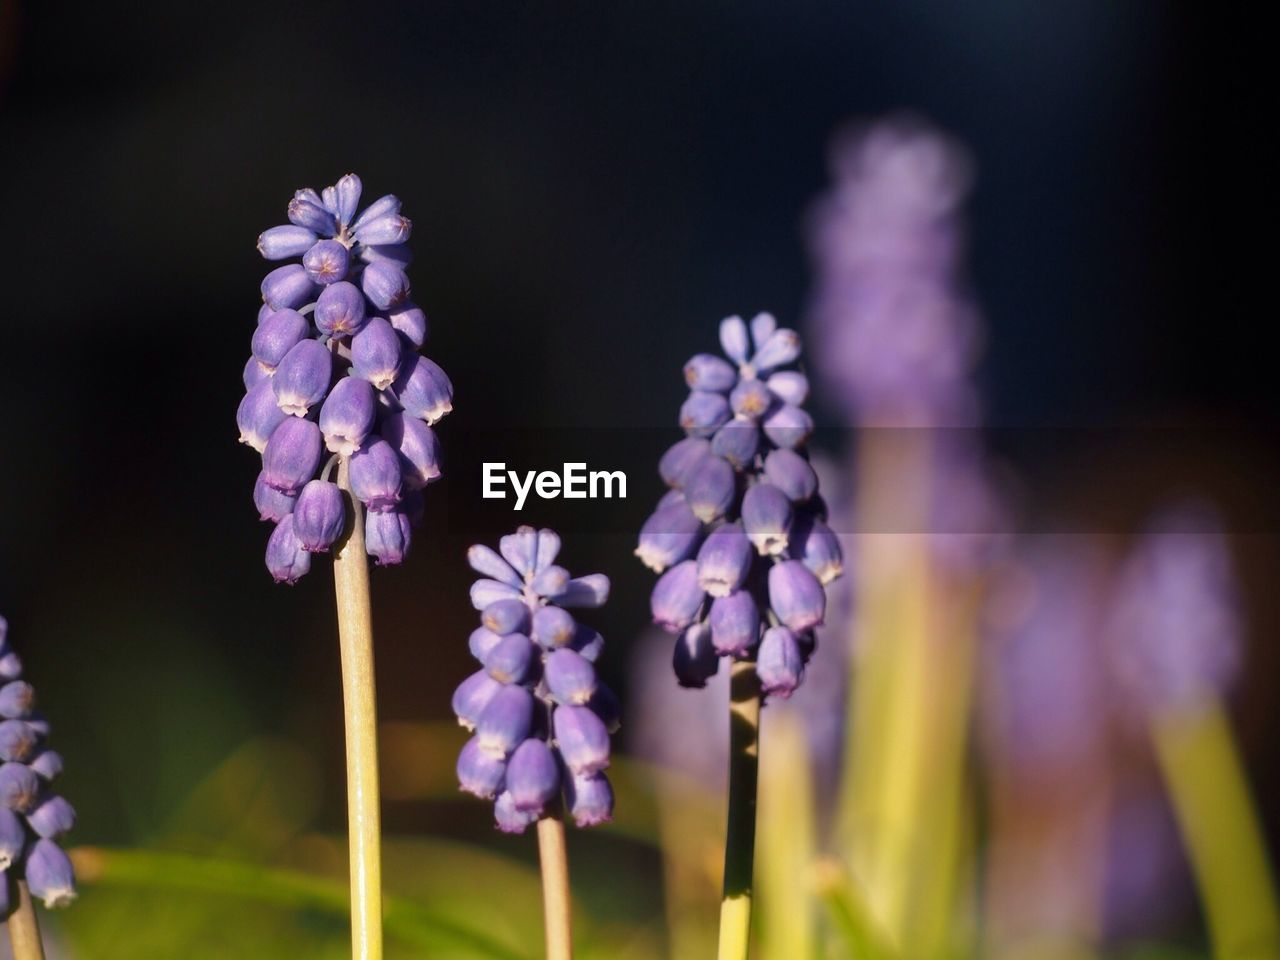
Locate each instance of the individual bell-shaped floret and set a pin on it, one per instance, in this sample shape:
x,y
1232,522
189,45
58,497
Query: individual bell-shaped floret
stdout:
x,y
302,378
582,739
703,413
570,677
417,446
319,515
472,696
795,595
273,505
788,426
737,442
512,659
385,284
292,455
706,371
507,818
480,772
387,534
671,534
340,310
259,415
814,543
410,322
766,517
287,287
278,333
13,838
791,473
553,627
49,874
328,261
348,415
724,560
376,353
779,663
710,488
505,721
53,817
678,462
590,799
19,786
375,475
17,700
17,740
285,241
677,598
287,559
735,623
533,776
423,389
506,616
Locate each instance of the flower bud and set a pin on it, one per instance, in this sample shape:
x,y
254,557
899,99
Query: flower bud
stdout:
x,y
506,616
733,339
669,535
553,627
283,242
570,678
307,210
589,591
292,455
387,534
253,373
347,196
678,462
703,413
520,549
287,287
273,505
423,389
710,489
795,595
276,335
779,663
472,696
548,549
533,776
52,818
480,773
582,739
258,416
410,322
319,516
19,786
47,763
13,838
766,516
287,560
17,700
385,284
485,592
390,228
388,203
750,400
418,448
486,560
791,473
705,371
590,799
49,874
551,582
695,660
17,740
376,353
819,548
677,597
735,624
788,426
511,661
762,326
347,415
738,442
340,310
303,376
724,560
789,386
506,721
481,641
375,475
782,347
507,818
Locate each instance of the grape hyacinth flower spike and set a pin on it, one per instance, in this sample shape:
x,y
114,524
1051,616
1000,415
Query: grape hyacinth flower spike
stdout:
x,y
33,866
540,718
341,405
744,554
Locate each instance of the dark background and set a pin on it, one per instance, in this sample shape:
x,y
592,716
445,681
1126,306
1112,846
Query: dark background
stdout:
x,y
593,186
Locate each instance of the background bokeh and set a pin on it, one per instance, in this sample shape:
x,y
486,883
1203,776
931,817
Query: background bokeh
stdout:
x,y
592,188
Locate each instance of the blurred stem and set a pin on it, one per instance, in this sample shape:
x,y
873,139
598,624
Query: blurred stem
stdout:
x,y
355,637
740,834
24,928
556,905
1206,779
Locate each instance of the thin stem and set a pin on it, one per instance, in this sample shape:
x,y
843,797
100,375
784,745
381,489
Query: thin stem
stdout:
x,y
740,835
24,928
555,886
355,637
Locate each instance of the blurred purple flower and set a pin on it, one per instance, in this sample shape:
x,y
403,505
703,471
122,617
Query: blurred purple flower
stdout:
x,y
337,343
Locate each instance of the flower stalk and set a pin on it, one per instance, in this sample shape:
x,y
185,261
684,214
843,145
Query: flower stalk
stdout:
x,y
355,637
740,833
24,928
556,907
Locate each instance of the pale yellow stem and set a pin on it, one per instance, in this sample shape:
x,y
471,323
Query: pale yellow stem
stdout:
x,y
355,637
24,928
740,832
556,905
1206,780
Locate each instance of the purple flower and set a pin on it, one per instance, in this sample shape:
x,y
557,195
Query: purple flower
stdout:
x,y
32,815
319,516
537,705
337,342
739,541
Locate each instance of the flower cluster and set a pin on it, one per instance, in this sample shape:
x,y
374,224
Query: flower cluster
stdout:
x,y
336,367
741,539
541,718
32,816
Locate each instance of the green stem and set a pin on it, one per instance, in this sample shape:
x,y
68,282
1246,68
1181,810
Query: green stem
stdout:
x,y
740,835
355,637
555,887
24,928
